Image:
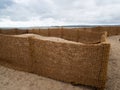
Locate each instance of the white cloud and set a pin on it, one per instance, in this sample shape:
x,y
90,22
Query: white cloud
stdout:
x,y
31,23
60,12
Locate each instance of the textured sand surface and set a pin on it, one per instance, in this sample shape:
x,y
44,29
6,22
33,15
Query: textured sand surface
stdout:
x,y
114,64
54,39
16,80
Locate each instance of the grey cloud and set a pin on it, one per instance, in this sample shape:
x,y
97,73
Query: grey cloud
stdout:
x,y
5,3
22,12
69,11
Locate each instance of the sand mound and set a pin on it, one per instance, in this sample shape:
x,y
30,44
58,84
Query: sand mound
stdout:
x,y
54,39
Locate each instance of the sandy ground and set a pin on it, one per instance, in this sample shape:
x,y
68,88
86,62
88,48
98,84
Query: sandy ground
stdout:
x,y
16,80
114,64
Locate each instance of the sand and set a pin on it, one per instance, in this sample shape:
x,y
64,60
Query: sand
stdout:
x,y
17,80
53,39
113,82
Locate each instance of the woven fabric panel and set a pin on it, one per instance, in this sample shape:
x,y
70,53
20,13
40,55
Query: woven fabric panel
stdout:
x,y
75,63
13,31
70,34
19,31
118,31
30,31
70,62
8,31
78,35
15,51
90,37
55,32
43,32
110,30
34,31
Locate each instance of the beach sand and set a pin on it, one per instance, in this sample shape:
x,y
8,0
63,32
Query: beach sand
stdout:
x,y
113,82
17,80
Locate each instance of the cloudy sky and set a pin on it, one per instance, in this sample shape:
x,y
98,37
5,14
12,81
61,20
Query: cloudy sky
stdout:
x,y
24,13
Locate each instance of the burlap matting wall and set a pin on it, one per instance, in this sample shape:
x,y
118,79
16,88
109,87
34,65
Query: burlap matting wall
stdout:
x,y
58,32
15,51
75,62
